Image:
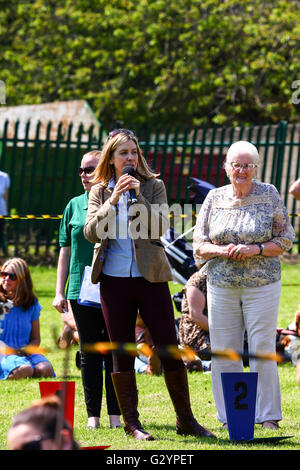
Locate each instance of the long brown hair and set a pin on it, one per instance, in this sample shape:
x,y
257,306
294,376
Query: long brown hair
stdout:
x,y
24,296
104,170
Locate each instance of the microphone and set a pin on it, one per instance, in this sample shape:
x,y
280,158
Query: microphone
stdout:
x,y
131,171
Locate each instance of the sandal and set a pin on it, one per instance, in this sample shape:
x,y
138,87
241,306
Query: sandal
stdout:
x,y
270,424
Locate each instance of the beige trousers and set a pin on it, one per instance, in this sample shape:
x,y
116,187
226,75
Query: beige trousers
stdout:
x,y
231,311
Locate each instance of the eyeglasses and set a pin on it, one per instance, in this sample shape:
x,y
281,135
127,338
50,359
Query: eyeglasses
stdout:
x,y
115,132
12,276
244,166
87,170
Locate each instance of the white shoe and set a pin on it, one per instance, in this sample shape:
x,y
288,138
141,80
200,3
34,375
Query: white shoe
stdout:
x,y
93,422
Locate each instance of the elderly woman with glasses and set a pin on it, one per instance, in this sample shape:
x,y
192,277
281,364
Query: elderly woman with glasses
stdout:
x,y
20,328
75,254
241,231
126,217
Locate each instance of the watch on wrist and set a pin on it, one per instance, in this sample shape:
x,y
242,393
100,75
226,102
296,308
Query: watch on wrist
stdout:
x,y
261,248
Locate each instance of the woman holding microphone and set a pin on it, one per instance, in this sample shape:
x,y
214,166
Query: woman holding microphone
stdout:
x,y
134,273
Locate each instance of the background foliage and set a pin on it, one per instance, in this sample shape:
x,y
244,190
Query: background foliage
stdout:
x,y
168,61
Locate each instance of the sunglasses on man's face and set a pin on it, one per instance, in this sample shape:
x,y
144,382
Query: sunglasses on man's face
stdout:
x,y
12,276
87,170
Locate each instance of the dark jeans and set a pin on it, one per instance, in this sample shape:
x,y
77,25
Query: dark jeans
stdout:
x,y
122,299
91,329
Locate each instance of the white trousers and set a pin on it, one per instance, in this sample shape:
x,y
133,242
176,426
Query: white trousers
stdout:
x,y
231,311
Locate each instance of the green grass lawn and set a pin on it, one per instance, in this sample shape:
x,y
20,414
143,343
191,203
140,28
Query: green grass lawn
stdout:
x,y
156,411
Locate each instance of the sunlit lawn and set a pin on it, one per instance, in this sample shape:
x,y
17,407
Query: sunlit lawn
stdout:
x,y
156,411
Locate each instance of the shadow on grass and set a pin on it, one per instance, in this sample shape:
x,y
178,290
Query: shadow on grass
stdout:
x,y
164,433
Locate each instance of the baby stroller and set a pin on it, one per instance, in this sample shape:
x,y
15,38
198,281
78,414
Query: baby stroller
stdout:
x,y
180,256
179,252
200,189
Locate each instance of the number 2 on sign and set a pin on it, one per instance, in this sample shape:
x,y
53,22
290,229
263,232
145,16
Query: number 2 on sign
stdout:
x,y
241,396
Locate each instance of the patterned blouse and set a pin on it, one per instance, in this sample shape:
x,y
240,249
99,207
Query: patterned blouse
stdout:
x,y
257,218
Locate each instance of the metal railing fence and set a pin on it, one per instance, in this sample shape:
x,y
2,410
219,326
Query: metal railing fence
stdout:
x,y
42,160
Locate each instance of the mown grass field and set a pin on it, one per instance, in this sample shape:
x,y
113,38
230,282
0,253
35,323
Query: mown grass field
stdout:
x,y
156,411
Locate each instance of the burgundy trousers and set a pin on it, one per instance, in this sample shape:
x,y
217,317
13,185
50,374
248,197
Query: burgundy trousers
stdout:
x,y
121,299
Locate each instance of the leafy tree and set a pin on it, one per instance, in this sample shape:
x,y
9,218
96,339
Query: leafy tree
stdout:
x,y
167,61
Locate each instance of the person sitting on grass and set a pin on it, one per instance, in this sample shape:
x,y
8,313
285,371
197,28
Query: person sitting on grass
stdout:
x,y
21,327
193,322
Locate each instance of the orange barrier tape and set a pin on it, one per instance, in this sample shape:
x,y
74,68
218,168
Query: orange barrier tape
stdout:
x,y
30,349
176,352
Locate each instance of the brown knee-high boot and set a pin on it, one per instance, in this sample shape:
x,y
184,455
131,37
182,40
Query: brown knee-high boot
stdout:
x,y
178,388
127,395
